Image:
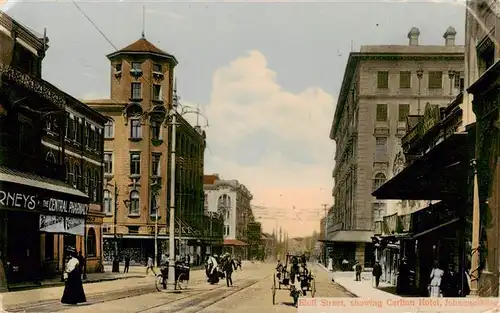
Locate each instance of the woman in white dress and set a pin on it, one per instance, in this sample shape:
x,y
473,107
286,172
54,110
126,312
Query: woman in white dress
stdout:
x,y
435,284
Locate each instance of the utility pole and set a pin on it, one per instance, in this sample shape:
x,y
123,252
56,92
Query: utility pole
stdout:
x,y
171,231
116,262
325,207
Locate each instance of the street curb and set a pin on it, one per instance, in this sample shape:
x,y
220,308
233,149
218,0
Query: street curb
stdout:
x,y
341,287
58,284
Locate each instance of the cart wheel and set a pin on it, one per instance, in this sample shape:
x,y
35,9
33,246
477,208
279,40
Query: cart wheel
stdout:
x,y
182,281
159,283
313,288
274,289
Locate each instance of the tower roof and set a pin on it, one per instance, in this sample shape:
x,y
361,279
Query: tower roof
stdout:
x,y
143,46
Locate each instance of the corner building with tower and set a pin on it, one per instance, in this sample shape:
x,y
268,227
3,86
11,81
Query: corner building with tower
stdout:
x,y
136,159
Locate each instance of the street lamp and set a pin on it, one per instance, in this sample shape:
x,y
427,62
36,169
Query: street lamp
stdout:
x,y
420,74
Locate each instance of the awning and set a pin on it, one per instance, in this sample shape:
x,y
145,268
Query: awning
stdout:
x,y
350,236
134,236
234,242
425,232
33,180
434,176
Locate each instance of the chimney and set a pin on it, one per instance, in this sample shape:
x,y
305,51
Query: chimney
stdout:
x,y
413,36
449,36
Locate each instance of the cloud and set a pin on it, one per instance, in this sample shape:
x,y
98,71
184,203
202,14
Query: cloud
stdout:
x,y
272,140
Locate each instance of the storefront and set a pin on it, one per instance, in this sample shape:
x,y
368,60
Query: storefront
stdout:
x,y
437,171
38,218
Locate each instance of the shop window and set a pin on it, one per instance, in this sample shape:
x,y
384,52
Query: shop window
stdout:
x,y
108,202
383,80
134,203
91,243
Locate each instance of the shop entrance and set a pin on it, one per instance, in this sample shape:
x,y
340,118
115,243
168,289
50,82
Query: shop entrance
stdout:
x,y
23,247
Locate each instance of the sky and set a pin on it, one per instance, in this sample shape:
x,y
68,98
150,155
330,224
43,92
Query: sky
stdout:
x,y
265,75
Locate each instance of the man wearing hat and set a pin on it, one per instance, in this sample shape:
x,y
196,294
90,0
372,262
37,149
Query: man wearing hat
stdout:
x,y
73,289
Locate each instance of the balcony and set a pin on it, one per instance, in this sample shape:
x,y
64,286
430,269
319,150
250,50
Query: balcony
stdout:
x,y
381,128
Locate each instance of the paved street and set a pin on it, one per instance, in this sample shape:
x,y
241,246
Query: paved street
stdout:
x,y
251,292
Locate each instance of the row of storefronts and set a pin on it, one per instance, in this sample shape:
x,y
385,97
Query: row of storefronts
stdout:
x,y
49,175
440,166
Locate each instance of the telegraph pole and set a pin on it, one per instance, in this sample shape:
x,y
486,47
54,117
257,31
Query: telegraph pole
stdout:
x,y
171,231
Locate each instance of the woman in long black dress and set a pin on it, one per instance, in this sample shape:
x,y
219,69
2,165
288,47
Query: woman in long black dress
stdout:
x,y
73,289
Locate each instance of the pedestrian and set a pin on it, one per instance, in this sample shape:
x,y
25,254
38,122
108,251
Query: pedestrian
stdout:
x,y
450,283
150,265
127,263
73,286
81,262
377,272
358,268
436,278
403,277
213,273
294,269
229,266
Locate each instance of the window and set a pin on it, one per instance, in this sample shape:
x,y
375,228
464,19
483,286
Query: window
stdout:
x,y
136,66
135,163
88,181
378,181
91,243
88,131
228,215
226,230
78,176
383,80
155,130
157,96
135,128
95,189
156,68
108,130
381,112
118,67
26,135
380,147
108,202
459,81
405,79
136,91
155,165
435,80
403,111
378,211
154,205
108,163
224,201
71,174
76,130
134,203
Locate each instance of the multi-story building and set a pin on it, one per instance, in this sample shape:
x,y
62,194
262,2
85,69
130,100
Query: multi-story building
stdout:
x,y
50,169
481,118
136,153
382,86
231,200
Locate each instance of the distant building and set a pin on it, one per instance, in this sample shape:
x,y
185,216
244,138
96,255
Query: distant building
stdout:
x,y
382,87
231,200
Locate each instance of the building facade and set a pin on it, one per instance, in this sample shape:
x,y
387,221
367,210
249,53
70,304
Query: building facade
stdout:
x,y
51,165
231,200
382,87
481,118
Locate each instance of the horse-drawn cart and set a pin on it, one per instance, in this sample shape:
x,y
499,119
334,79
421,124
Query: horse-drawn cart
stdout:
x,y
283,277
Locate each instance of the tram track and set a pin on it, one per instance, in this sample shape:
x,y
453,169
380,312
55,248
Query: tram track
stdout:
x,y
199,301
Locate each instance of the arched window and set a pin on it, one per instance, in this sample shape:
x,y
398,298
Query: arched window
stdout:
x,y
50,157
378,181
224,201
108,202
88,176
91,243
78,176
134,203
66,168
97,186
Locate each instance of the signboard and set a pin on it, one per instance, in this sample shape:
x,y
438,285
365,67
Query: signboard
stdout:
x,y
390,224
62,224
30,202
432,116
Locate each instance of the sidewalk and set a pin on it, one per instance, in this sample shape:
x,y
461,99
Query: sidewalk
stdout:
x,y
364,288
